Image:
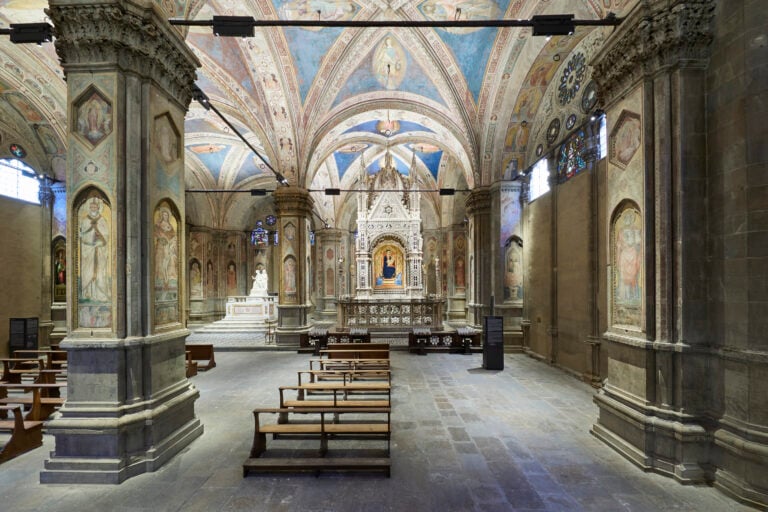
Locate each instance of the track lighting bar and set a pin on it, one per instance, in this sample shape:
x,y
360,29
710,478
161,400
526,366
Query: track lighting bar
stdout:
x,y
441,191
543,25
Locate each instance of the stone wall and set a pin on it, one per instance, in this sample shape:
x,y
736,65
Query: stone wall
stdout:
x,y
737,154
20,271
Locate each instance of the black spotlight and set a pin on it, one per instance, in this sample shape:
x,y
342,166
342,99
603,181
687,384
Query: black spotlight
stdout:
x,y
31,33
332,192
553,24
233,26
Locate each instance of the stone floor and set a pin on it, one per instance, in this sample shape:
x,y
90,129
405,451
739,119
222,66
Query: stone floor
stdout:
x,y
464,439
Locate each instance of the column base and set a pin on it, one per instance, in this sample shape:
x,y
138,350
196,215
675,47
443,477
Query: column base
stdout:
x,y
660,441
129,409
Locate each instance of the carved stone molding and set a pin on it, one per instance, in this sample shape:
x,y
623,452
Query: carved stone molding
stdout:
x,y
127,36
655,35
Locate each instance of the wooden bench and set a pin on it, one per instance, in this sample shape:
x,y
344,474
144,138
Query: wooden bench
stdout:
x,y
350,364
346,374
356,351
324,430
15,367
53,358
25,434
36,398
347,388
202,352
338,399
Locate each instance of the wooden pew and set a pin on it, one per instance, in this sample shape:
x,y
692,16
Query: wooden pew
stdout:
x,y
53,358
36,398
202,352
351,364
356,351
25,435
327,428
338,399
15,367
346,374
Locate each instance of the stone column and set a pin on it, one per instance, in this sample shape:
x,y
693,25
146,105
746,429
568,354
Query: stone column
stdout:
x,y
46,291
294,212
508,257
480,242
129,405
59,305
651,80
329,268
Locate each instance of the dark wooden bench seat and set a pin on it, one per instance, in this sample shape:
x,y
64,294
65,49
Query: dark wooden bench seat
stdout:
x,y
346,375
35,398
328,427
338,399
25,435
340,364
16,367
203,355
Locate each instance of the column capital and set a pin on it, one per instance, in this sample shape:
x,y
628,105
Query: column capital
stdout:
x,y
655,35
479,201
292,201
124,34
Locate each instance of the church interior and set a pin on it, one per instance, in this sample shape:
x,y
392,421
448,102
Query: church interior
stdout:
x,y
591,173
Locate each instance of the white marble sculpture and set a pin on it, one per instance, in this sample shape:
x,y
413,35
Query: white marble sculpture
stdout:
x,y
259,288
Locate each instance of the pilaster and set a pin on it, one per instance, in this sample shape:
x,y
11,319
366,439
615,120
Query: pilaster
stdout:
x,y
46,292
650,74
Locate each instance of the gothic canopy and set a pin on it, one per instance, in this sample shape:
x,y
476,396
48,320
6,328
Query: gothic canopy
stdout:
x,y
458,107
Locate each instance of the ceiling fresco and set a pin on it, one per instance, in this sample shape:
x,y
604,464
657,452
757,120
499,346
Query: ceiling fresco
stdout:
x,y
315,101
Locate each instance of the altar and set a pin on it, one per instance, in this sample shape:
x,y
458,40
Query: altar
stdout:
x,y
391,314
389,288
248,313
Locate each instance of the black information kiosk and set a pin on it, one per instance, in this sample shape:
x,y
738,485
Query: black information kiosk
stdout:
x,y
493,343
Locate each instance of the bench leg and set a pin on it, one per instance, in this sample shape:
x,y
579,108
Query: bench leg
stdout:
x,y
22,440
323,445
282,417
259,444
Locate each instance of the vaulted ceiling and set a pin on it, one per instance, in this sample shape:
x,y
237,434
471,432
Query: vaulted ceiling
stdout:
x,y
457,107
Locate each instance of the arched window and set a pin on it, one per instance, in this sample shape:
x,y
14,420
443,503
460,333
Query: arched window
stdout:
x,y
19,180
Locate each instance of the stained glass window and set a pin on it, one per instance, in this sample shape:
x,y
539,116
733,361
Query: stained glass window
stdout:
x,y
571,159
259,236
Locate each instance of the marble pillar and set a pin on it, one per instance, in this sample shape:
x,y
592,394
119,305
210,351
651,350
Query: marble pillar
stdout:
x,y
46,293
294,212
481,259
129,405
330,263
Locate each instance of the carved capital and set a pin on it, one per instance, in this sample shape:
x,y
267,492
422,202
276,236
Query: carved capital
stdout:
x,y
127,36
657,34
479,202
293,201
